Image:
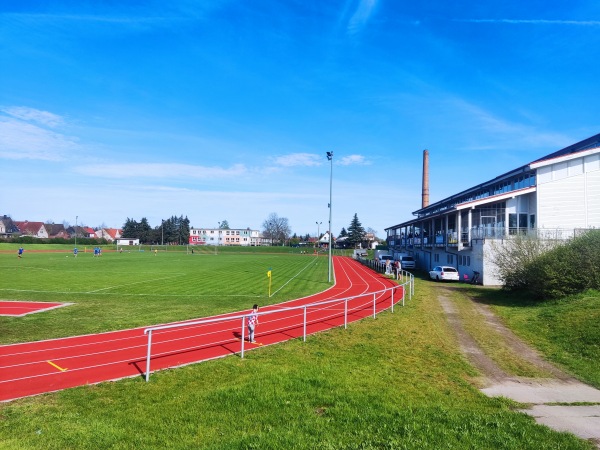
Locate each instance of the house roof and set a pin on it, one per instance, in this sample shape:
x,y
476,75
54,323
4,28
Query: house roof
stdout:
x,y
112,232
26,227
9,224
55,229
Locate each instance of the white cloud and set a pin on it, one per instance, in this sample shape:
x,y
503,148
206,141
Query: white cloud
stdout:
x,y
26,114
361,16
22,140
500,130
299,159
157,170
353,160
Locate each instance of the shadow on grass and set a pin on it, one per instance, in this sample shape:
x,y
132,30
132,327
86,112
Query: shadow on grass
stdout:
x,y
140,364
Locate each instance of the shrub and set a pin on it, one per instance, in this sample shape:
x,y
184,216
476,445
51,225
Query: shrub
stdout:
x,y
567,269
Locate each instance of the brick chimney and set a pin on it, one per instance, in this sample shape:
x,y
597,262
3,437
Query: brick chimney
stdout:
x,y
425,192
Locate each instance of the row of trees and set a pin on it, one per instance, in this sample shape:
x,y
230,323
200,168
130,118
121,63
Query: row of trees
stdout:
x,y
277,230
174,230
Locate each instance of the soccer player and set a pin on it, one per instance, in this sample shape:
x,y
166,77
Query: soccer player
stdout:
x,y
20,252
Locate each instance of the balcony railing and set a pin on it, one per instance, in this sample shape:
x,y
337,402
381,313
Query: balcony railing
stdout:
x,y
450,238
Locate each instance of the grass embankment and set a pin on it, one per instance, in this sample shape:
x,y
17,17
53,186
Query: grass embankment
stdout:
x,y
395,382
489,339
566,330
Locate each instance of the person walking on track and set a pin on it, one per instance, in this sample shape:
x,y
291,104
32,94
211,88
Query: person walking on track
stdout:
x,y
252,322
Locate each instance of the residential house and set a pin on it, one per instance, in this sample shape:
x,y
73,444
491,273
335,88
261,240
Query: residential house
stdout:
x,y
56,230
7,227
109,234
81,231
35,229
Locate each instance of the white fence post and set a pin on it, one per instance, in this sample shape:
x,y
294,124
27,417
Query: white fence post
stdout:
x,y
148,355
345,313
374,304
243,334
305,324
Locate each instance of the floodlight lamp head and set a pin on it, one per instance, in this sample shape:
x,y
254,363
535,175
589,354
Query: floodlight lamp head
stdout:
x,y
329,156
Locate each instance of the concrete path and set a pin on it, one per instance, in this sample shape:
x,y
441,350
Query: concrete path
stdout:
x,y
553,404
561,402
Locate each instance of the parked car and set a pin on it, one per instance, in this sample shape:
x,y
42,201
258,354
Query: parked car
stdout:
x,y
382,255
442,273
407,262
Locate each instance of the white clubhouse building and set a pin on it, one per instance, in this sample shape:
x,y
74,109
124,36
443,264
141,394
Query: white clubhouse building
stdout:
x,y
555,196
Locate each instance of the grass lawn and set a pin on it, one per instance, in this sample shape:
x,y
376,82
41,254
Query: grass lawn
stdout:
x,y
395,382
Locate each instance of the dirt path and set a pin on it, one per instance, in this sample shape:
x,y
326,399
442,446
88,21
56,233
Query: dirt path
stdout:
x,y
542,395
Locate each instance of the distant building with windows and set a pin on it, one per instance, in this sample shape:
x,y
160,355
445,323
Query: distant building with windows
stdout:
x,y
33,229
556,196
220,236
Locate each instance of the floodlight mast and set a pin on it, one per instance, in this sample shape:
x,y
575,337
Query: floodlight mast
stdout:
x,y
318,234
330,158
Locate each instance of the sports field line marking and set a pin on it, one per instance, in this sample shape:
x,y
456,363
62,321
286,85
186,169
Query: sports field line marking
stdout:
x,y
58,367
131,284
291,279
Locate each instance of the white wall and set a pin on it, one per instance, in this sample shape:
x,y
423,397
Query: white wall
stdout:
x,y
568,194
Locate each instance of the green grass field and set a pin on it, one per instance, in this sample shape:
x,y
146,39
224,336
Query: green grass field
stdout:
x,y
396,382
139,288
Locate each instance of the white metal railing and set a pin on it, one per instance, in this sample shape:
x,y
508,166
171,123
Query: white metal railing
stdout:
x,y
406,282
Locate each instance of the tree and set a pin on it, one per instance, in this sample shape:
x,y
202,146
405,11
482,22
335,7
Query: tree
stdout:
x,y
141,230
145,231
343,233
224,225
176,230
356,232
276,228
130,228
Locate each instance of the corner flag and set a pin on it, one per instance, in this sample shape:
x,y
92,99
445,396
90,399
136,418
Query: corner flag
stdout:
x,y
269,277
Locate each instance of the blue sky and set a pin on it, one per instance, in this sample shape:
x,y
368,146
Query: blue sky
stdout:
x,y
225,109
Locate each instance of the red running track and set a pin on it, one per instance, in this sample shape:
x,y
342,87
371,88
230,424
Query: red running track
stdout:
x,y
45,366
